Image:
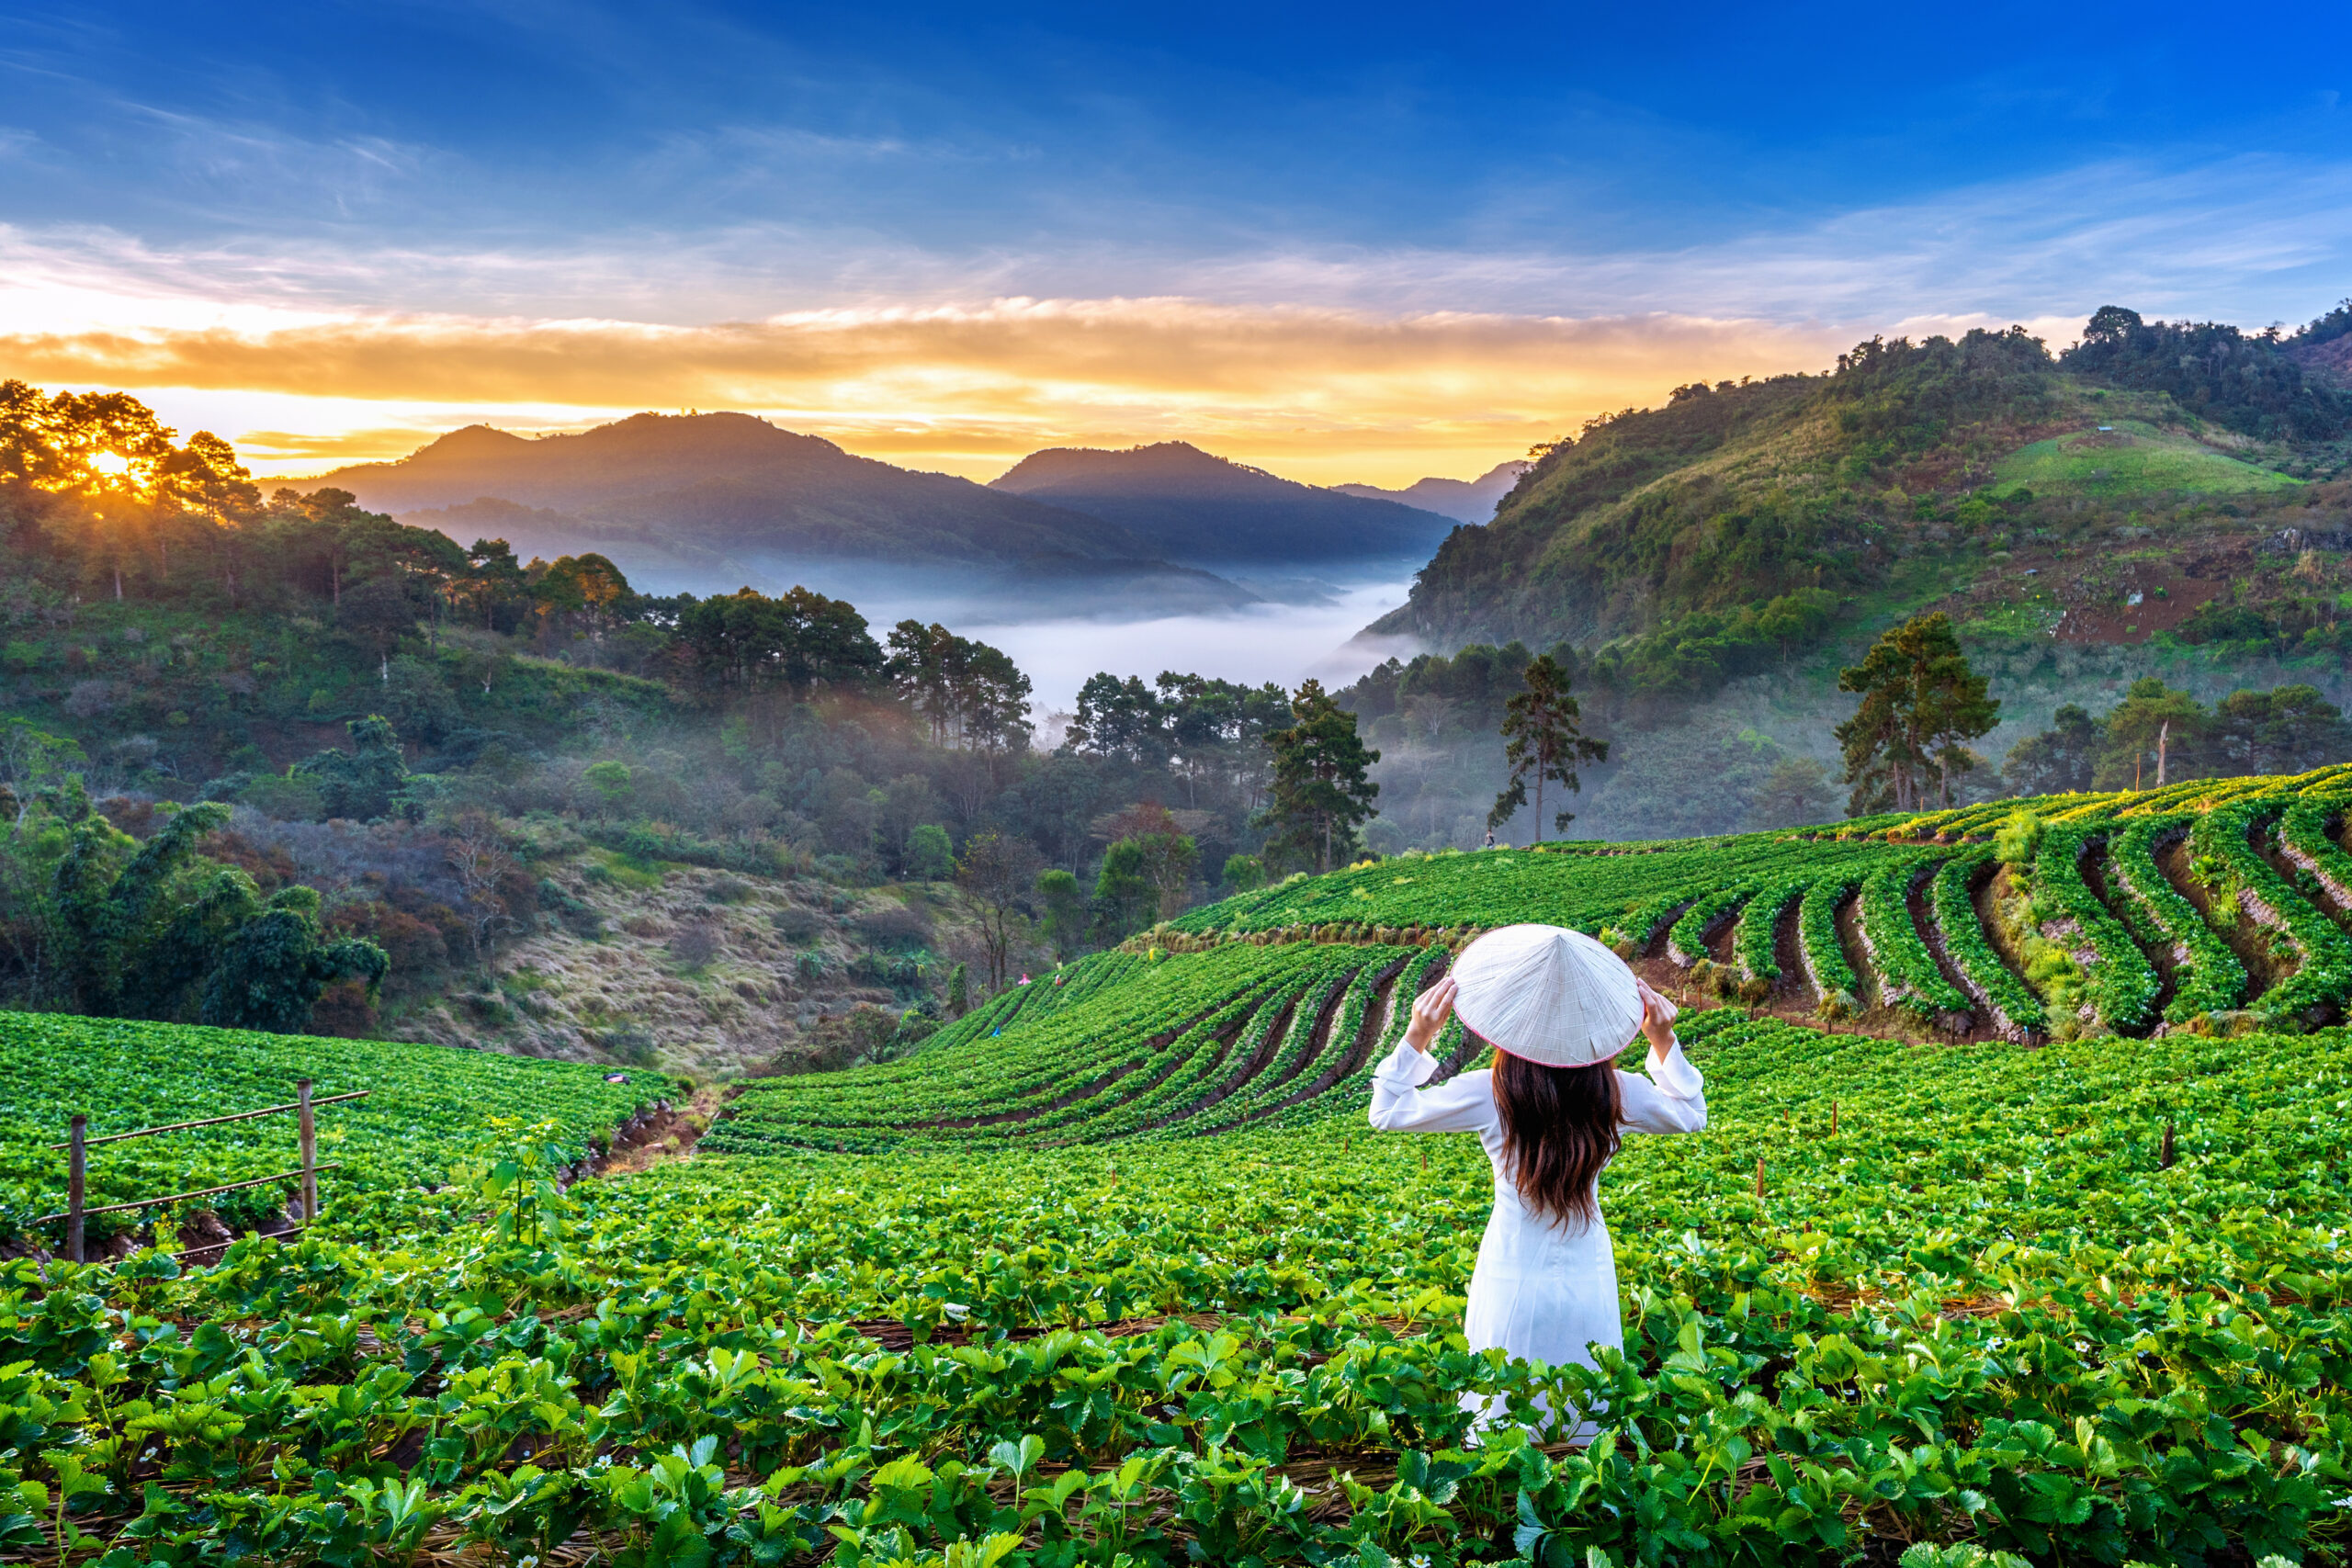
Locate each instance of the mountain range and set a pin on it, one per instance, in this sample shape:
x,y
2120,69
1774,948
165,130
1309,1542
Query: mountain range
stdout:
x,y
705,501
730,483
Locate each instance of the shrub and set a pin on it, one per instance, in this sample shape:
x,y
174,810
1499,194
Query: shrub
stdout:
x,y
931,856
892,925
797,924
695,943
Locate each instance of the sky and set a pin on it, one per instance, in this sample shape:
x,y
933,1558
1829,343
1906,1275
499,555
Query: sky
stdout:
x,y
1344,243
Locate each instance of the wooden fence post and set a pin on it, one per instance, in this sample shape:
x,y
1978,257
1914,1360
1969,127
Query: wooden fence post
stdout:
x,y
309,1157
76,1174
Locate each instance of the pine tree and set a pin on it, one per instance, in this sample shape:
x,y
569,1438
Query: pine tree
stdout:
x,y
1920,701
1322,790
1546,743
959,990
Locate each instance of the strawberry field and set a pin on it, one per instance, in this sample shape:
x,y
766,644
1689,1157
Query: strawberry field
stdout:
x,y
425,1104
1113,1270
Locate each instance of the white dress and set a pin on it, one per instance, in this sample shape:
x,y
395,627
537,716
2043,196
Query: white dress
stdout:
x,y
1545,1290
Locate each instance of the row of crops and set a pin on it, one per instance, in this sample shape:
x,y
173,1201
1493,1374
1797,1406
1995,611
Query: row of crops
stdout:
x,y
426,1108
2081,1305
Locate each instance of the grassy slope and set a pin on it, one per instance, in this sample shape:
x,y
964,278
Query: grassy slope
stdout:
x,y
2133,457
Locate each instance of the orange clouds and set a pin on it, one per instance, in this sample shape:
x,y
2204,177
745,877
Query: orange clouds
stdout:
x,y
1325,395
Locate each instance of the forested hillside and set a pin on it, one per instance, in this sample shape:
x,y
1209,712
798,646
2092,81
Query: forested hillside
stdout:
x,y
516,801
2162,502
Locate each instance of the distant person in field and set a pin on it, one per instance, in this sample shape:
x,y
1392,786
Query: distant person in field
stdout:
x,y
1490,839
1557,1007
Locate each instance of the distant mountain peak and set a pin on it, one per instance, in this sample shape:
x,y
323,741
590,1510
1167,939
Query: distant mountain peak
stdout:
x,y
1467,500
1199,508
1143,467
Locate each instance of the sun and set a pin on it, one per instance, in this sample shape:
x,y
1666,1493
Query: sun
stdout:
x,y
113,465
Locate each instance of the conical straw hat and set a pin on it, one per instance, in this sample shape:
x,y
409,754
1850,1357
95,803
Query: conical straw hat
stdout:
x,y
1546,994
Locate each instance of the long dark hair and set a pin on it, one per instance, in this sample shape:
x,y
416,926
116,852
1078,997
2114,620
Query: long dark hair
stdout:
x,y
1560,1126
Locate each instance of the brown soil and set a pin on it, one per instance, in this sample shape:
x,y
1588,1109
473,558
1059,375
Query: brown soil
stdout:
x,y
2105,621
2289,870
1848,921
2245,937
1795,988
671,1134
1923,920
1720,940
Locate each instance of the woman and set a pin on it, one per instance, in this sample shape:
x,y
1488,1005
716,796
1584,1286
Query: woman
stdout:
x,y
1557,1007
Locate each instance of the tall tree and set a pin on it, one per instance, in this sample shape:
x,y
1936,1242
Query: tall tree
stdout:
x,y
2058,760
972,695
1065,903
2288,729
1920,703
1000,876
1322,790
2154,734
1546,743
1119,718
799,641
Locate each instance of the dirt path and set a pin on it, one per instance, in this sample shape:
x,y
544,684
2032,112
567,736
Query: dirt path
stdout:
x,y
675,1134
2263,968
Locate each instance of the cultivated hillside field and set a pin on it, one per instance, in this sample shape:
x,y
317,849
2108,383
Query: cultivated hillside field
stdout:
x,y
2014,1229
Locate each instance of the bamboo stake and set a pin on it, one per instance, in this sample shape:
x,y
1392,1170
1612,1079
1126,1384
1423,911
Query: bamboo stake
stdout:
x,y
309,1127
1759,1176
76,1174
2164,1161
1833,1118
182,1197
217,1121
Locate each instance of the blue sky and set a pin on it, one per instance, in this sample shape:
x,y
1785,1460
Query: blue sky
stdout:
x,y
1371,242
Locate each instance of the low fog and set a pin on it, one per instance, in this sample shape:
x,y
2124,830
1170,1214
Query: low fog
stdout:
x,y
1264,642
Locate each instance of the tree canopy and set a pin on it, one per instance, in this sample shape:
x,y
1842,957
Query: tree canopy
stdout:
x,y
1323,791
1920,703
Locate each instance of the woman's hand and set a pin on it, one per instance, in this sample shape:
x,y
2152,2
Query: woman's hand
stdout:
x,y
1431,1010
1657,1019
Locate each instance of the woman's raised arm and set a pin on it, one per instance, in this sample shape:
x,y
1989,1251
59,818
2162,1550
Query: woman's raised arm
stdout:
x,y
1460,1104
1673,1098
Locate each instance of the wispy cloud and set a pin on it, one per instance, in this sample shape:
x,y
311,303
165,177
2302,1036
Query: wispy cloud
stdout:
x,y
993,379
1407,360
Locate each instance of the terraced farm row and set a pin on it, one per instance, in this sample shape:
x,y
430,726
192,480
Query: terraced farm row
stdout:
x,y
2213,908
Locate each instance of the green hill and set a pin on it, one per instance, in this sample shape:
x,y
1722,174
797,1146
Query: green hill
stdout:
x,y
1851,482
2163,500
